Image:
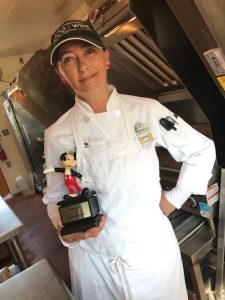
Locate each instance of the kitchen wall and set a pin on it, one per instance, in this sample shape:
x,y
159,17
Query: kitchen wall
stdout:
x,y
15,168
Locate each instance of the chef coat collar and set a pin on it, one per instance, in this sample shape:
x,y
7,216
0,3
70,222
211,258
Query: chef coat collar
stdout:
x,y
112,104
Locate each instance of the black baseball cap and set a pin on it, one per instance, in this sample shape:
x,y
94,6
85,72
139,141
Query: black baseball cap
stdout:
x,y
73,30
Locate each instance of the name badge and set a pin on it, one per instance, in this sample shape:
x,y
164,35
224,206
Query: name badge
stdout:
x,y
142,132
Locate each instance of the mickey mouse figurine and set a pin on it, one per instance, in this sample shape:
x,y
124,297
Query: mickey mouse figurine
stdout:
x,y
83,213
69,162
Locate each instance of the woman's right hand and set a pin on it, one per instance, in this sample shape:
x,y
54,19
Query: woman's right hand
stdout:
x,y
78,236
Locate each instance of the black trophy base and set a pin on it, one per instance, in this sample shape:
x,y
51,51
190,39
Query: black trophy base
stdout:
x,y
79,213
81,226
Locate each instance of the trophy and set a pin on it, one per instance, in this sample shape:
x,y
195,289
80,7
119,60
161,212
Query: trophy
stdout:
x,y
79,210
79,213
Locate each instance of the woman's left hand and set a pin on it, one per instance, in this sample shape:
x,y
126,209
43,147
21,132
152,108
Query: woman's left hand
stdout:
x,y
166,207
78,236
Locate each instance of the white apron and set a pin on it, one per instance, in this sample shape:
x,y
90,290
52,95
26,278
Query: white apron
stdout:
x,y
136,256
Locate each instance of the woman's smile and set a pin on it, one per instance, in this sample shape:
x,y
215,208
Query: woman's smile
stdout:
x,y
88,78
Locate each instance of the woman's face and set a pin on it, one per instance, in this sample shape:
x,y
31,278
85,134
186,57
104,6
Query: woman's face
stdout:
x,y
84,67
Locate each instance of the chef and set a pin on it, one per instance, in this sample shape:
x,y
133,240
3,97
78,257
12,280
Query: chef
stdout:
x,y
133,254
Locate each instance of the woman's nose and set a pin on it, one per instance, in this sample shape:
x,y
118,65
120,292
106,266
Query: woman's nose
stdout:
x,y
82,65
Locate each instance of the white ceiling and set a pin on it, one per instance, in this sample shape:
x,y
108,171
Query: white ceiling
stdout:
x,y
26,26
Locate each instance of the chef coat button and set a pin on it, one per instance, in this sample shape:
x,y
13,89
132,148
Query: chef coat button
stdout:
x,y
117,113
86,119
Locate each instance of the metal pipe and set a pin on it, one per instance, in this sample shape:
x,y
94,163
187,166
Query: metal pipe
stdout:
x,y
197,280
220,277
19,252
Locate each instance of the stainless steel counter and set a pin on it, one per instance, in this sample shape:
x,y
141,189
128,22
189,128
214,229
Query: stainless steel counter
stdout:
x,y
40,281
10,228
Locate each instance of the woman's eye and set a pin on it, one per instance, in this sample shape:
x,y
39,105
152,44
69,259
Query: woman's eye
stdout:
x,y
90,50
67,59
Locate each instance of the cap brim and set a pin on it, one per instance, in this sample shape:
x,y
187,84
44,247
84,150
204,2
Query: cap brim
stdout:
x,y
54,50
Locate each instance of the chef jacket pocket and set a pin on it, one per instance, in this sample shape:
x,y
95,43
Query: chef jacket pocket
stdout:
x,y
111,151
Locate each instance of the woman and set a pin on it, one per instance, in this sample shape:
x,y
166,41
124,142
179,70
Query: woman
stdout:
x,y
133,253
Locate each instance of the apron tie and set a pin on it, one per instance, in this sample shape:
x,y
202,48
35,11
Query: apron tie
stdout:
x,y
118,266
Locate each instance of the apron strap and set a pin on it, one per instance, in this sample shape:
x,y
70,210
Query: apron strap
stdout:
x,y
118,266
77,130
127,120
129,125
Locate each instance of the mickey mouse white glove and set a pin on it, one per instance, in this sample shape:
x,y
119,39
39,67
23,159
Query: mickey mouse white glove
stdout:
x,y
85,179
49,170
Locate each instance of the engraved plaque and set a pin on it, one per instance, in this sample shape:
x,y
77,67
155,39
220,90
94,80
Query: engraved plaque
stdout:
x,y
79,213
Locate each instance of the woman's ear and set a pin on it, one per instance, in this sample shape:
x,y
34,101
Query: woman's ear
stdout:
x,y
106,53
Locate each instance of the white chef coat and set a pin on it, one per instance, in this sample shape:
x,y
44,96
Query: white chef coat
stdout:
x,y
136,256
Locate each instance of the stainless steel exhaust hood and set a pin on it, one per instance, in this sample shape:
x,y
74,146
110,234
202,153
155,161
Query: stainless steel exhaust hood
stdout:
x,y
127,41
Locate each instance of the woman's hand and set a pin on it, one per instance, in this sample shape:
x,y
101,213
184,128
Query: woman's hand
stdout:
x,y
78,236
166,207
